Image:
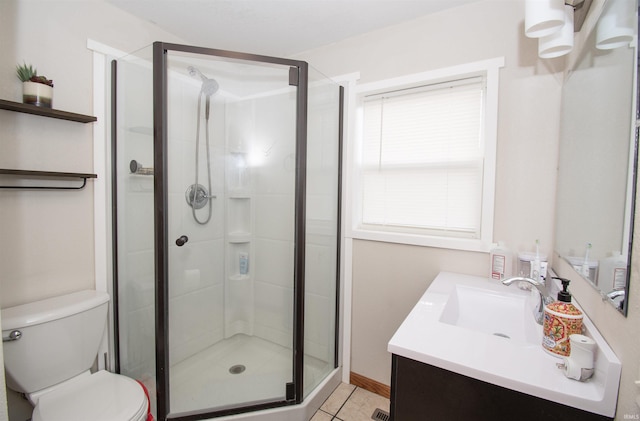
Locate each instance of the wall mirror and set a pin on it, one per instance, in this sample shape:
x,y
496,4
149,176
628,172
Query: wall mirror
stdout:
x,y
597,166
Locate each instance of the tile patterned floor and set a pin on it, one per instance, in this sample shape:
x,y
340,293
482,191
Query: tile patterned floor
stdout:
x,y
350,403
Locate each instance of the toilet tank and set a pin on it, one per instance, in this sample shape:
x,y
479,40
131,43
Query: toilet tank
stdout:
x,y
60,339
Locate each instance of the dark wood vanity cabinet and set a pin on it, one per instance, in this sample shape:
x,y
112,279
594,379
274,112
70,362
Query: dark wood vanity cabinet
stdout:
x,y
422,392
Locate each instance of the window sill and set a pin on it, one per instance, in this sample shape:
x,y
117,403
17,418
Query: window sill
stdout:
x,y
463,244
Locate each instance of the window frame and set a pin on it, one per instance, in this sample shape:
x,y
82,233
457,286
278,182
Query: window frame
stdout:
x,y
489,70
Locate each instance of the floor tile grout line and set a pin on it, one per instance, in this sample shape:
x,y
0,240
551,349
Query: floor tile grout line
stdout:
x,y
325,412
345,402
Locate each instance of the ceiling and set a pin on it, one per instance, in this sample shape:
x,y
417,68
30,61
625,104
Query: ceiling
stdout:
x,y
277,27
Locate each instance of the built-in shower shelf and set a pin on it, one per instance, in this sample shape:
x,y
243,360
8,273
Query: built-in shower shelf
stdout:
x,y
142,130
45,112
239,195
236,278
239,237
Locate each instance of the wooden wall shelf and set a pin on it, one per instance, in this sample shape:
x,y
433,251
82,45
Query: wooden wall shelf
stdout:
x,y
45,112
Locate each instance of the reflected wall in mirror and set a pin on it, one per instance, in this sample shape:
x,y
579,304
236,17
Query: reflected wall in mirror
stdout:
x,y
596,169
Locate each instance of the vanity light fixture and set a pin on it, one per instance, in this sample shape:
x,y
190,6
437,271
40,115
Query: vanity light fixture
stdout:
x,y
543,17
615,27
559,42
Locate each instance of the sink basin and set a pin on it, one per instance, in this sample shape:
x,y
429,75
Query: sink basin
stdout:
x,y
485,330
500,313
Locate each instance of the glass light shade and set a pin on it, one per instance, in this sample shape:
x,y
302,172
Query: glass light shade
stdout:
x,y
616,25
543,17
558,43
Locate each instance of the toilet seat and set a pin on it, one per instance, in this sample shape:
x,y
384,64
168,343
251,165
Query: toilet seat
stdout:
x,y
102,396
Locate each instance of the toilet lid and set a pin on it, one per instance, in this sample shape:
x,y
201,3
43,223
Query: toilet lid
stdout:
x,y
102,396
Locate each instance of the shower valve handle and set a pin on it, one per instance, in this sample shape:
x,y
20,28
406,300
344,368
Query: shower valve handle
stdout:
x,y
180,241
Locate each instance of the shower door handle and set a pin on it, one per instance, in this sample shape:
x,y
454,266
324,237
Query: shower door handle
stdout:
x,y
14,335
182,240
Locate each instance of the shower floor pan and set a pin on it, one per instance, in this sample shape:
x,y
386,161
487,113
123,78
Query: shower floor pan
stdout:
x,y
213,378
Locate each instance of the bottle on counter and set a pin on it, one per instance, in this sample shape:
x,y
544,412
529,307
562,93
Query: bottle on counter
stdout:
x,y
612,272
561,320
501,261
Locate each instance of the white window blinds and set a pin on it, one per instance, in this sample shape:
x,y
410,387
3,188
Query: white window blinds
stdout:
x,y
422,159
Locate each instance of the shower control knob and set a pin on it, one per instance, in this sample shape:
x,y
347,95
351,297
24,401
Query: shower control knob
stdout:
x,y
180,241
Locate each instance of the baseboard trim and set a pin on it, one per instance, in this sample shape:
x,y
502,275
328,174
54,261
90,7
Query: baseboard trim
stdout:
x,y
370,385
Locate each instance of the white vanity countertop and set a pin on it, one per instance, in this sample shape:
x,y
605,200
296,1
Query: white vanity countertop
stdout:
x,y
511,364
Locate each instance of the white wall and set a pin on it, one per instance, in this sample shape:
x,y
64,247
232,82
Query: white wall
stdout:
x,y
51,251
389,278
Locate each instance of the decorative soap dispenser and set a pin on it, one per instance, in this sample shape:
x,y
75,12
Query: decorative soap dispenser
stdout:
x,y
561,320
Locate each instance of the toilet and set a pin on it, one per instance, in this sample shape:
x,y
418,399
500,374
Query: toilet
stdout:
x,y
49,347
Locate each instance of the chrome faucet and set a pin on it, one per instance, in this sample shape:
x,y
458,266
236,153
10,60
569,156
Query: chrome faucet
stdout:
x,y
616,297
615,294
545,298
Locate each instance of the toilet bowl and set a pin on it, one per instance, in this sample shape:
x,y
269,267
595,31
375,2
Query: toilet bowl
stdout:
x,y
52,345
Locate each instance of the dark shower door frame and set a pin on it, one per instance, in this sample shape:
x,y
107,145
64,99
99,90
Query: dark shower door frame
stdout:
x,y
298,76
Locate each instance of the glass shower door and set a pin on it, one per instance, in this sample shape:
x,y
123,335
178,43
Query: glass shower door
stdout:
x,y
133,199
212,182
230,174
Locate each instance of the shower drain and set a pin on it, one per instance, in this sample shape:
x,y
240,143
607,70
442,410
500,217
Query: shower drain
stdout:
x,y
502,335
237,369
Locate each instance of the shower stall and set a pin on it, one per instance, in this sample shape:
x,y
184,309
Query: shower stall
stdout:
x,y
226,187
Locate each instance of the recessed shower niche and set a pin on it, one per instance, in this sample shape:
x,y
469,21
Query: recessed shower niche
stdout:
x,y
239,226
221,264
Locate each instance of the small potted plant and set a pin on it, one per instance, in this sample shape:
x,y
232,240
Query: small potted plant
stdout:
x,y
36,90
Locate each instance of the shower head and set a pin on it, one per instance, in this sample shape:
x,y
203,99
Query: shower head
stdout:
x,y
209,86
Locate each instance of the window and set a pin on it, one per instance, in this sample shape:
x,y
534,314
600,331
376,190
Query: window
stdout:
x,y
425,162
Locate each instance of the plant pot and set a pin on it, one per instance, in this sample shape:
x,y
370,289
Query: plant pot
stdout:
x,y
37,94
